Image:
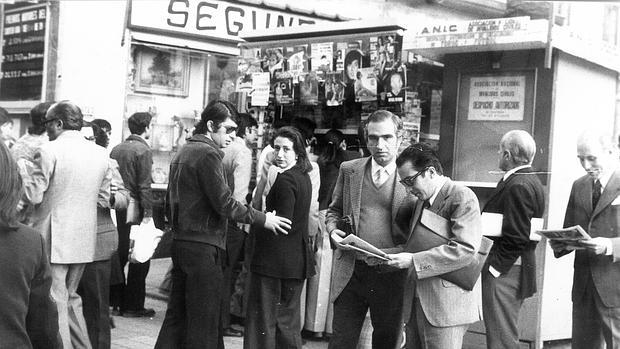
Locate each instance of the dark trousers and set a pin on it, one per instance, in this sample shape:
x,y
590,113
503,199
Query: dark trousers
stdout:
x,y
193,316
273,320
235,239
94,289
129,296
595,326
500,306
383,294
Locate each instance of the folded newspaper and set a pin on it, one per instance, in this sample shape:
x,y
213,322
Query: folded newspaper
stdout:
x,y
571,236
353,242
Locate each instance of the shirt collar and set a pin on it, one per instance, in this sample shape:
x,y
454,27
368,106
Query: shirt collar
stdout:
x,y
510,172
604,179
441,182
390,168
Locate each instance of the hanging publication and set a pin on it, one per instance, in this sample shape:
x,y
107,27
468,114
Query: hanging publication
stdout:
x,y
283,89
366,85
334,89
309,89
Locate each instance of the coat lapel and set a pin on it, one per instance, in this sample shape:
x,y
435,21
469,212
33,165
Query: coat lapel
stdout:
x,y
610,193
357,178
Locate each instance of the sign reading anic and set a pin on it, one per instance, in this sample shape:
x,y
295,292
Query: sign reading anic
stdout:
x,y
496,98
213,18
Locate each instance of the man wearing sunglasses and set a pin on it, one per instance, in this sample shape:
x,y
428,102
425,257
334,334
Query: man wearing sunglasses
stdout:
x,y
198,206
369,191
437,312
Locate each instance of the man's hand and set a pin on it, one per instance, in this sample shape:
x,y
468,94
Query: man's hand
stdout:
x,y
277,224
557,246
597,245
339,233
403,260
372,261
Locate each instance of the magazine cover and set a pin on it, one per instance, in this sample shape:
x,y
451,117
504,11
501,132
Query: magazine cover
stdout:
x,y
341,49
395,87
273,60
309,89
334,88
283,89
365,85
297,59
245,68
322,56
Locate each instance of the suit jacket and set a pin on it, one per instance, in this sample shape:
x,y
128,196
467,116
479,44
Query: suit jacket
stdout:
x,y
600,221
29,318
70,175
444,303
346,200
519,198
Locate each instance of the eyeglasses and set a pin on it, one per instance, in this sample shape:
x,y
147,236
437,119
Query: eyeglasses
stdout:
x,y
410,180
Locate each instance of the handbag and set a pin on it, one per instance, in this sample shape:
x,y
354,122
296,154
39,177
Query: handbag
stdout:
x,y
432,231
144,240
133,212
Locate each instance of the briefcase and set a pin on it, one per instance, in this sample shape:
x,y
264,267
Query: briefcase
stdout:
x,y
433,230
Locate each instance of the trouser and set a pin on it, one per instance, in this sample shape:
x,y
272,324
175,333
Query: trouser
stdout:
x,y
71,323
235,239
129,296
500,306
95,291
422,335
383,294
273,320
193,317
595,326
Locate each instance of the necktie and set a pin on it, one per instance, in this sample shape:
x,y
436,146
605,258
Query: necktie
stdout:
x,y
596,192
380,176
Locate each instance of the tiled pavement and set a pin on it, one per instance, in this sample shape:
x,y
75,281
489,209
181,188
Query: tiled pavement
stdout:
x,y
141,333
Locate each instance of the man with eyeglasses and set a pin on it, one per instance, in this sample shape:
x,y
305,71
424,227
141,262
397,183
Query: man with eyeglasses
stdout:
x,y
198,206
369,192
437,312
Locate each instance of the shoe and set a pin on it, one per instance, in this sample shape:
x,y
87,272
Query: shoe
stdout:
x,y
139,313
231,332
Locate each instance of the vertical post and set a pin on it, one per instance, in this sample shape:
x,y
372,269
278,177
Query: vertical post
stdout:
x,y
549,48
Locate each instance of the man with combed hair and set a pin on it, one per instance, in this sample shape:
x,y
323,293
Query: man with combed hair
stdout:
x,y
70,175
594,204
369,191
509,276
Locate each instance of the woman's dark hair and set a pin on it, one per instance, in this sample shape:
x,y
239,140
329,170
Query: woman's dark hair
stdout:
x,y
299,146
331,153
37,116
101,136
10,189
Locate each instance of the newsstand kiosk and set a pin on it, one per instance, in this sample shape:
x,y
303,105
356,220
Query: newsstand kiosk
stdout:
x,y
516,73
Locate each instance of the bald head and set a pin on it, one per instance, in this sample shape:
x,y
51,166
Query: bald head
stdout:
x,y
517,148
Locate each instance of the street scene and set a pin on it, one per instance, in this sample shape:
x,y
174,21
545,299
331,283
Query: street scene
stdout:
x,y
347,174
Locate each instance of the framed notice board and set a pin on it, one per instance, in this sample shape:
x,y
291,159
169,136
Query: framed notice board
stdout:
x,y
23,50
489,105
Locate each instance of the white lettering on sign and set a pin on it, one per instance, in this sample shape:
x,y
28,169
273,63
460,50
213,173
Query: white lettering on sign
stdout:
x,y
496,98
212,18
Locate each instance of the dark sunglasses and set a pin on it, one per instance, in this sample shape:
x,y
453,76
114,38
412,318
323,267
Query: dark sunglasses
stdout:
x,y
410,180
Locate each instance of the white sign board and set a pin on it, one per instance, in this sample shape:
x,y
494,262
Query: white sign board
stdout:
x,y
217,19
260,89
496,98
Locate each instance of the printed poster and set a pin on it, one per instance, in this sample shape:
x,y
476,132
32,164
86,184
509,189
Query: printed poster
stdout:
x,y
395,87
334,88
366,85
260,89
341,49
309,89
496,98
245,68
297,60
273,60
322,56
282,87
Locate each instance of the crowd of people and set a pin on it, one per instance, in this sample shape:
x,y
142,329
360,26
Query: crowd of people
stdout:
x,y
63,257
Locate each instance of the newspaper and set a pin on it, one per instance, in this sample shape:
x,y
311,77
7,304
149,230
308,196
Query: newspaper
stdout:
x,y
571,236
353,242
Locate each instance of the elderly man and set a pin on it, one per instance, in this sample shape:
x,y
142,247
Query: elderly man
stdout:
x,y
70,173
199,204
510,274
437,312
369,191
594,204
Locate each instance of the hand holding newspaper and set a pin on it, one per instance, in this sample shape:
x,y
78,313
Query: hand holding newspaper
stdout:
x,y
352,242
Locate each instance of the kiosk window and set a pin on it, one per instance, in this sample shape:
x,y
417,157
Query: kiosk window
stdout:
x,y
489,105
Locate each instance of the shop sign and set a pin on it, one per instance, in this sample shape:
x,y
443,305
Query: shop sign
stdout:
x,y
496,98
213,18
477,32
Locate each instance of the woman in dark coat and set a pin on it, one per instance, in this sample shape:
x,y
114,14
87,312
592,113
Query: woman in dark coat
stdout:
x,y
281,263
28,316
